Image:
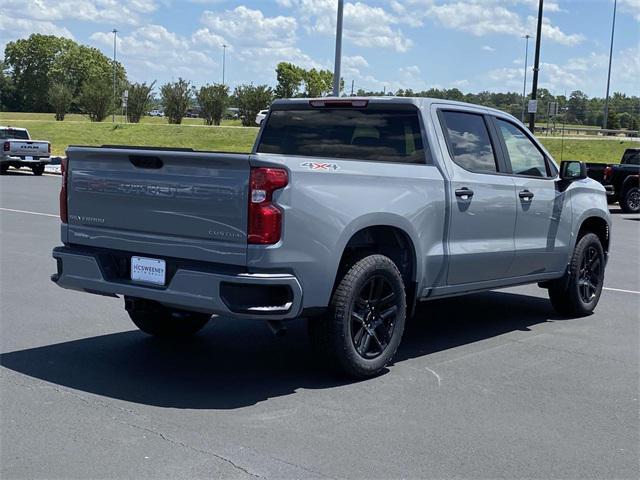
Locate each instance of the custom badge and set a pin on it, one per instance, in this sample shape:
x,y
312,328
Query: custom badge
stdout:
x,y
316,166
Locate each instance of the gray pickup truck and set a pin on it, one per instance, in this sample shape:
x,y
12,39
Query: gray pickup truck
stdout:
x,y
347,212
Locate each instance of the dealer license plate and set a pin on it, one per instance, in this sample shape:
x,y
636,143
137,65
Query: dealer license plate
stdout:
x,y
148,270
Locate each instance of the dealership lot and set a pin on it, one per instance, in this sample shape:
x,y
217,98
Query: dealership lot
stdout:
x,y
493,385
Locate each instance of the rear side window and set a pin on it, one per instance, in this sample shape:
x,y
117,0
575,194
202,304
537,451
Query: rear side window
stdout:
x,y
631,157
372,134
524,156
469,141
8,133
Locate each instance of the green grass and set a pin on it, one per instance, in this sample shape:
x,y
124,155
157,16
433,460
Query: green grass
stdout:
x,y
12,118
595,150
77,130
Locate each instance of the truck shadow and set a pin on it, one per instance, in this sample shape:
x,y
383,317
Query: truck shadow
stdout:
x,y
235,364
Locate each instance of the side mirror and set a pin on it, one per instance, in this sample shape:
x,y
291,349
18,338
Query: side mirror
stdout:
x,y
571,170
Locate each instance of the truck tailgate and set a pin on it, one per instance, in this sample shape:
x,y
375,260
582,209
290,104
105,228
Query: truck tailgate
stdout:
x,y
162,203
21,148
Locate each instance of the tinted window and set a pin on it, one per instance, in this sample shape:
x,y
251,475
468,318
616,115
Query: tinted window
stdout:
x,y
362,134
10,133
631,157
525,157
469,141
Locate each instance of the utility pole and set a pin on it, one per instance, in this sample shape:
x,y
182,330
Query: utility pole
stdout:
x,y
606,102
352,82
536,66
115,35
224,60
524,87
336,69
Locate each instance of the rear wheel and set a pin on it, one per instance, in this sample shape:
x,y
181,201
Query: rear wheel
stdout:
x,y
364,326
578,292
37,169
157,320
3,168
630,202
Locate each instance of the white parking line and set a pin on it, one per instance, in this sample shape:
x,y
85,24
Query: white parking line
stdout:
x,y
620,290
30,213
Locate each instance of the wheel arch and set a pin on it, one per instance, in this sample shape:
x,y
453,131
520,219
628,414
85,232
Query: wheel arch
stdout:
x,y
391,238
595,223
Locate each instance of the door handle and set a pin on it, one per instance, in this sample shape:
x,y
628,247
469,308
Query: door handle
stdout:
x,y
526,195
464,193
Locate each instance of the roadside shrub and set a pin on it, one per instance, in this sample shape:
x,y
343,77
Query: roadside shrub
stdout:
x,y
251,100
139,100
213,101
176,97
96,99
60,98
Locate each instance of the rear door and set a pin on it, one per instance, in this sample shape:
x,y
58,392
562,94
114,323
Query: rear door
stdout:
x,y
183,204
543,223
483,212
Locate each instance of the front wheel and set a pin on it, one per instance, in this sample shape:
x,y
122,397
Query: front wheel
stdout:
x,y
578,292
159,321
630,202
364,326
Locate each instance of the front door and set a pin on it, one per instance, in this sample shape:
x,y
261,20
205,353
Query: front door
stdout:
x,y
543,218
483,212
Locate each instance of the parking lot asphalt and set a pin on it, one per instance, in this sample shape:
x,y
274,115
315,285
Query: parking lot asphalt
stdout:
x,y
493,385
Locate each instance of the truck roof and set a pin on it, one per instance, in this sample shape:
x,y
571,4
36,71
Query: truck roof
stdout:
x,y
12,128
420,102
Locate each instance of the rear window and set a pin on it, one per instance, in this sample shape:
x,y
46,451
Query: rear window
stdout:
x,y
631,157
382,135
7,133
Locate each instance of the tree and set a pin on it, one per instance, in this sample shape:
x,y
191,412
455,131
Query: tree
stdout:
x,y
176,97
60,98
40,60
577,106
7,89
213,101
96,99
139,100
317,82
289,77
251,100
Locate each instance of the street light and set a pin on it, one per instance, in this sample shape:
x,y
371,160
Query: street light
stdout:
x,y
115,35
524,86
606,101
336,71
224,60
536,66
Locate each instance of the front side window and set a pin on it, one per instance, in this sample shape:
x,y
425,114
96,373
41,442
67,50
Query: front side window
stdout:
x,y
525,157
383,135
469,141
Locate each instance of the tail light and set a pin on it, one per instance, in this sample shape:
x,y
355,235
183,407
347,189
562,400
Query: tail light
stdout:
x,y
6,147
64,168
49,148
608,171
265,219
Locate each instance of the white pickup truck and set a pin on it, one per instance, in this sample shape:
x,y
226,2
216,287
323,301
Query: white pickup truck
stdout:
x,y
18,150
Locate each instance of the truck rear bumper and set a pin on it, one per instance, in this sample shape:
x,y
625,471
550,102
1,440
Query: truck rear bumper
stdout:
x,y
240,295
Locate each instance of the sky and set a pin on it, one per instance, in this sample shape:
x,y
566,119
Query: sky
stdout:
x,y
473,45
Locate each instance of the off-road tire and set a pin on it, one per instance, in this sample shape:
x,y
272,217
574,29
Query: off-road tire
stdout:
x,y
159,321
630,201
565,294
332,334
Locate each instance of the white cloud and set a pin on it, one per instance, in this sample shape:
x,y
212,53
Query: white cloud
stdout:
x,y
486,17
100,11
630,6
13,28
488,48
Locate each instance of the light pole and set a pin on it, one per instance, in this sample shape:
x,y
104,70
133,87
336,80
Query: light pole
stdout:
x,y
524,86
224,60
536,66
606,101
336,70
115,35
